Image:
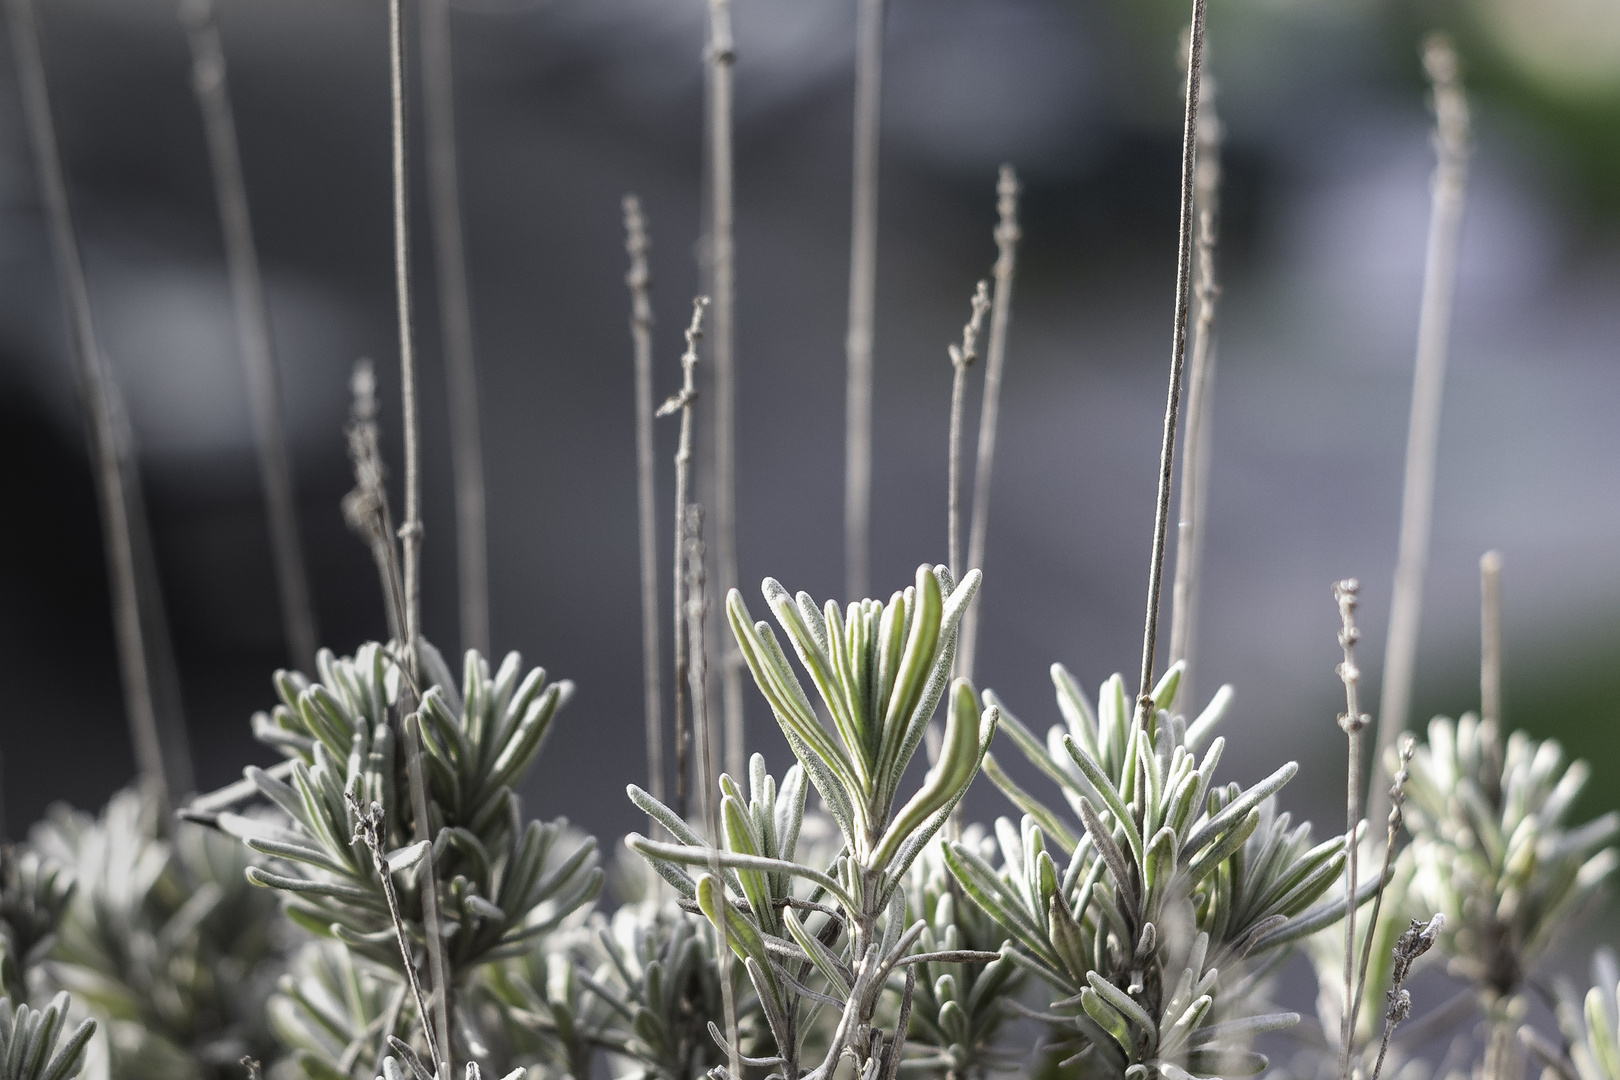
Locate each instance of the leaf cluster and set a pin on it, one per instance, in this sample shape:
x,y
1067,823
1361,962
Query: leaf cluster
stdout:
x,y
502,882
163,940
1493,848
1174,896
28,1038
832,935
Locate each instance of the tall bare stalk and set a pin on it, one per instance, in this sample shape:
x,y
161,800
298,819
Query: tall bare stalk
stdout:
x,y
1450,186
641,320
1007,235
161,755
721,56
962,357
1490,666
1490,639
455,323
1353,721
862,301
1178,349
1200,397
410,530
683,402
254,338
410,533
697,610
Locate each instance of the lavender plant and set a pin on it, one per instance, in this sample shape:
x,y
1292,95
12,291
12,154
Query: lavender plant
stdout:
x,y
880,670
1590,1026
502,882
28,1042
1177,896
164,941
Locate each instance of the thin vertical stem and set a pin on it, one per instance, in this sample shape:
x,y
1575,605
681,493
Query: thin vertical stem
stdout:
x,y
1490,639
697,609
641,320
683,402
1451,138
862,300
254,338
1397,796
455,323
443,987
1200,397
721,56
962,357
371,829
161,756
1007,235
1178,349
1490,671
1352,721
410,531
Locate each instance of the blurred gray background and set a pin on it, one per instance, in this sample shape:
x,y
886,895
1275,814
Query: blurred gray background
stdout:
x,y
564,105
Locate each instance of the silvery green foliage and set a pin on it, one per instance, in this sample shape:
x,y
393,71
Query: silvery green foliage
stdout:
x,y
333,1013
1177,893
34,892
1493,850
414,1069
502,882
764,825
1325,949
642,986
1590,1026
28,1042
960,1007
879,670
164,941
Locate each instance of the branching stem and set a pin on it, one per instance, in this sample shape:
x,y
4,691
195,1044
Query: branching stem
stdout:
x,y
684,403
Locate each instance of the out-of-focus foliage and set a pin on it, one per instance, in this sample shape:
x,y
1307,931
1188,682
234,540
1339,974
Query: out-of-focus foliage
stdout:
x,y
164,941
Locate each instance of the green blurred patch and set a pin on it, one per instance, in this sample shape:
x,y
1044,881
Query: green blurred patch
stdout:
x,y
1569,692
